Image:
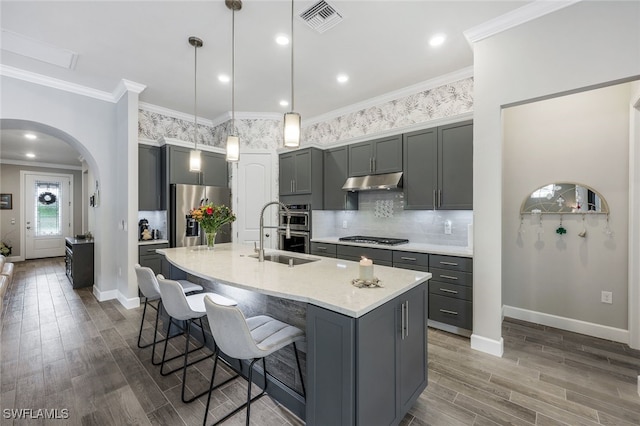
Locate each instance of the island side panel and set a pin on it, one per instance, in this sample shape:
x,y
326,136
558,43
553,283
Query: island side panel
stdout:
x,y
330,368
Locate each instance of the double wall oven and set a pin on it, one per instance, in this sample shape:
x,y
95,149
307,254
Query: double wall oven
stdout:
x,y
300,225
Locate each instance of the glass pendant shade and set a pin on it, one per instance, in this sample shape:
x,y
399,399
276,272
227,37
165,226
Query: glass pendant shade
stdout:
x,y
292,130
233,148
195,164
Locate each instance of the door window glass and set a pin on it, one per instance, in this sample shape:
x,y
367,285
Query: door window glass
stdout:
x,y
48,214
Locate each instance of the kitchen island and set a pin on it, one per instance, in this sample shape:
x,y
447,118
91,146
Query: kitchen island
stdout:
x,y
366,347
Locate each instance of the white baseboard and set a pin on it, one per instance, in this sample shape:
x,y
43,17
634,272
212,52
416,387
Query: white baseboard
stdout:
x,y
486,345
569,324
128,303
104,295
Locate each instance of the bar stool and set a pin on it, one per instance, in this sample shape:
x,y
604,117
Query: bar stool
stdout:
x,y
188,309
148,286
249,339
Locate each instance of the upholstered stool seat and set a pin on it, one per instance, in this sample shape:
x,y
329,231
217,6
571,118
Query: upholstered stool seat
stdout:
x,y
148,286
247,339
185,309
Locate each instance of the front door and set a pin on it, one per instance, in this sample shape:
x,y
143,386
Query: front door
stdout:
x,y
47,207
254,189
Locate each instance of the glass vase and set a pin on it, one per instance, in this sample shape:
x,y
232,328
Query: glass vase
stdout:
x,y
210,237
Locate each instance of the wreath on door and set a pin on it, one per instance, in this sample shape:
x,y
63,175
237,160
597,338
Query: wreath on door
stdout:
x,y
47,198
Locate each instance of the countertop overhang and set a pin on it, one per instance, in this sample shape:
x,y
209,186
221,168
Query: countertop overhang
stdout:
x,y
325,283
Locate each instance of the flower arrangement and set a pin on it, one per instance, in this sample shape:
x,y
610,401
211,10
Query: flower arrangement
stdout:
x,y
211,217
5,250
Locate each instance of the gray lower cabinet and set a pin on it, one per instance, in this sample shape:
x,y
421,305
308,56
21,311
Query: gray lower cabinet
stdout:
x,y
147,256
79,262
150,193
376,157
451,293
336,172
411,260
323,249
379,256
371,369
214,167
438,168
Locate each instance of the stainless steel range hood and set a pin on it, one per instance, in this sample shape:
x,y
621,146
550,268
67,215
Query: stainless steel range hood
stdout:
x,y
373,182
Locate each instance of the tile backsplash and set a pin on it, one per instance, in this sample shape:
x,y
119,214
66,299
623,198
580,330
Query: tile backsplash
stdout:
x,y
381,213
157,220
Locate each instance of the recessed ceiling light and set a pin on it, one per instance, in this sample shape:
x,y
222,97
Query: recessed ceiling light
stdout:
x,y
437,40
342,78
31,155
284,103
30,136
282,39
223,78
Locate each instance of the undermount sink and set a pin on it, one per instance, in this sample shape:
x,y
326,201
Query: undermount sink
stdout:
x,y
285,260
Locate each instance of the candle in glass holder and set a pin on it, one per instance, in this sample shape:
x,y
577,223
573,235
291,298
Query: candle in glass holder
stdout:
x,y
366,269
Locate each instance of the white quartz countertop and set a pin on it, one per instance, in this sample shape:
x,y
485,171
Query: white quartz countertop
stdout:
x,y
415,247
325,283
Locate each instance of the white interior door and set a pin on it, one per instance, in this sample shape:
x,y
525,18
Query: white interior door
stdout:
x,y
47,207
255,182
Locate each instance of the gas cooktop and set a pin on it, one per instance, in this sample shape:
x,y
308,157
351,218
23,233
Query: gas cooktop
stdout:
x,y
374,240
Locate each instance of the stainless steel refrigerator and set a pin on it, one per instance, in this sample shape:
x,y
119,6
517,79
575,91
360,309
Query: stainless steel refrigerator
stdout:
x,y
184,231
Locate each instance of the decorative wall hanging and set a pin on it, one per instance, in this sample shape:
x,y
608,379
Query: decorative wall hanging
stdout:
x,y
47,198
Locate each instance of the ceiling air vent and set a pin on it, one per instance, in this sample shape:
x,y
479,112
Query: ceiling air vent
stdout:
x,y
321,16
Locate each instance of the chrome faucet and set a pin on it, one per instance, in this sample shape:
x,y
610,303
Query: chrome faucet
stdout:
x,y
287,231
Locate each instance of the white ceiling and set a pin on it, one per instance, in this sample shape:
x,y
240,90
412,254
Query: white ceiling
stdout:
x,y
382,46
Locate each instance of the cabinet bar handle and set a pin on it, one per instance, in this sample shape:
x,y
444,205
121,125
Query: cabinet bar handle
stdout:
x,y
374,164
444,311
321,248
449,263
370,164
446,290
449,277
403,320
406,321
439,198
434,199
413,259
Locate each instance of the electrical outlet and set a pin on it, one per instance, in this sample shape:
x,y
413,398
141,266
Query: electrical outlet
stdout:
x,y
344,224
607,297
447,227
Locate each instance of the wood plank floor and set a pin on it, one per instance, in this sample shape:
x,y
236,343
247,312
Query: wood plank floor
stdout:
x,y
62,350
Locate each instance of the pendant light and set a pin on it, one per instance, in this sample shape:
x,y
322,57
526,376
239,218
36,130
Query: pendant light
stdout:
x,y
233,141
195,163
292,119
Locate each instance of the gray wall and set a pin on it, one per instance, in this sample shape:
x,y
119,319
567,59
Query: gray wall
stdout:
x,y
577,138
588,43
10,183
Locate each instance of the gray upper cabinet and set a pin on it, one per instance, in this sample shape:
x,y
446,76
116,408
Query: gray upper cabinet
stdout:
x,y
300,177
376,157
420,177
336,171
455,166
214,167
438,168
150,193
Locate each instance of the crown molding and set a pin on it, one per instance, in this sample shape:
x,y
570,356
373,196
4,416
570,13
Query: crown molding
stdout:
x,y
55,83
173,113
39,164
514,18
178,142
125,86
391,96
